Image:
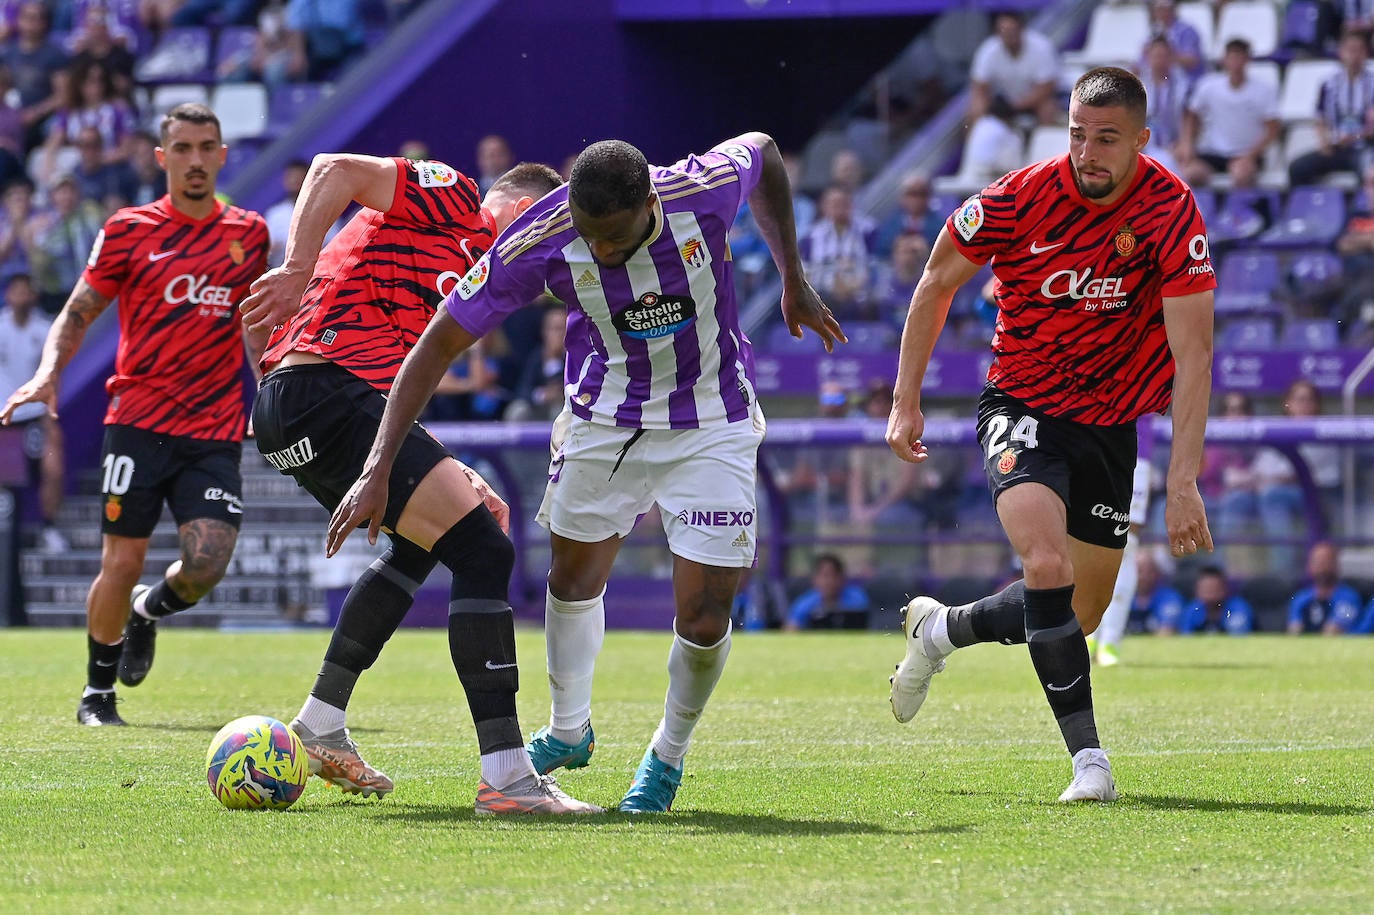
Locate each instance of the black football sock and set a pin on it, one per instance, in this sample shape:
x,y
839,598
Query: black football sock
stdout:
x,y
1059,652
371,612
998,618
101,663
161,601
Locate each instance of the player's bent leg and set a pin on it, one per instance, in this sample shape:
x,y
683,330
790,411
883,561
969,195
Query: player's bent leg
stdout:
x,y
1095,570
206,547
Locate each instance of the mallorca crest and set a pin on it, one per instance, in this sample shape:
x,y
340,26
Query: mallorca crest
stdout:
x,y
1125,240
1006,462
694,253
236,252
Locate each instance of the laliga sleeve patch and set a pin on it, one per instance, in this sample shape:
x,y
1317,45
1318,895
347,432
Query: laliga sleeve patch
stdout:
x,y
475,278
969,219
741,154
435,174
95,248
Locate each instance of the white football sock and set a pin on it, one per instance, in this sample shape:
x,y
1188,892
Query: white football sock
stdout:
x,y
88,691
1118,612
937,635
321,717
574,631
693,671
506,767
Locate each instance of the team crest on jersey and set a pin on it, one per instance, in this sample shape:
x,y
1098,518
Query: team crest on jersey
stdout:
x,y
113,509
694,253
969,219
1006,462
1125,240
435,174
236,252
475,279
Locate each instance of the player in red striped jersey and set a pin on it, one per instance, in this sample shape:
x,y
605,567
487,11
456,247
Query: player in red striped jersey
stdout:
x,y
175,425
346,316
1103,286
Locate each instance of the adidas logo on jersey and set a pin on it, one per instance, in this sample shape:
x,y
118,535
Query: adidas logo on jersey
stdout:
x,y
587,280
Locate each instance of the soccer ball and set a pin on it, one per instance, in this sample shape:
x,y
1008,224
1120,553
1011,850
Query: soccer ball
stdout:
x,y
256,762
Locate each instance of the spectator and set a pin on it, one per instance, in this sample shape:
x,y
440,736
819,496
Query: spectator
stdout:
x,y
1166,89
150,180
1345,116
1156,601
38,67
414,150
803,207
109,184
95,43
847,171
16,224
11,130
816,480
1357,14
993,145
539,392
913,217
62,239
494,159
278,215
895,281
1018,64
1227,480
89,103
1180,36
1214,608
1231,121
215,12
1327,605
122,18
838,255
832,601
272,60
25,333
470,390
1355,245
325,34
883,494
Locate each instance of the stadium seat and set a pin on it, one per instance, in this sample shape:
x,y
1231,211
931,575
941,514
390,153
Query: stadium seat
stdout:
x,y
180,56
1263,70
1314,216
242,109
1115,36
1246,334
1246,281
170,95
1201,17
1300,30
1302,85
287,103
234,42
1206,200
1244,214
1315,273
1300,139
1046,141
1257,21
240,154
1310,334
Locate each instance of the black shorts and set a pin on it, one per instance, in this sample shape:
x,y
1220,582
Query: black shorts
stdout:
x,y
1089,467
315,423
140,470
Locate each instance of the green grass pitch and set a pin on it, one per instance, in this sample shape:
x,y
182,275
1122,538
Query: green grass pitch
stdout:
x,y
1245,768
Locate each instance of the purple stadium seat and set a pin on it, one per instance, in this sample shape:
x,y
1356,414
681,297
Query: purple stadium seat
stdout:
x,y
241,152
1300,27
1310,334
1246,334
1314,216
1315,272
1244,214
180,56
287,104
1246,281
1206,200
234,42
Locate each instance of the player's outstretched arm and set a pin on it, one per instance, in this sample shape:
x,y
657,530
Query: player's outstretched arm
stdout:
x,y
365,501
1188,323
771,203
83,306
334,181
945,272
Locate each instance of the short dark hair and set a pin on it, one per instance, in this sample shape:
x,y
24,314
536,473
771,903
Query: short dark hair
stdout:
x,y
828,559
1111,87
609,177
190,112
528,179
1238,44
1211,571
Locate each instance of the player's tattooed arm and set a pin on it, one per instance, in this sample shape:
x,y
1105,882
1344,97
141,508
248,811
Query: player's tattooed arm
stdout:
x,y
68,331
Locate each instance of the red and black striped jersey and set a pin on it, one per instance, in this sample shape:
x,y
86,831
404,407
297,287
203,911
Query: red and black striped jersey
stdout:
x,y
379,281
1080,287
179,281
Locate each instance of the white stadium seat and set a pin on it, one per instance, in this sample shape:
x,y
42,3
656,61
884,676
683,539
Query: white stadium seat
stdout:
x,y
1047,141
1257,21
1302,86
1201,17
170,95
1116,35
242,110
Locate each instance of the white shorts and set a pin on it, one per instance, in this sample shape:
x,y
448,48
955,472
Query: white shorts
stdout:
x,y
703,481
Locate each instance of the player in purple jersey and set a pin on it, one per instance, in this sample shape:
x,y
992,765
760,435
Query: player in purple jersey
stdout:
x,y
661,409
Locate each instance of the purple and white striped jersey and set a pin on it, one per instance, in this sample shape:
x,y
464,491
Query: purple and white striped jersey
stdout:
x,y
654,343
